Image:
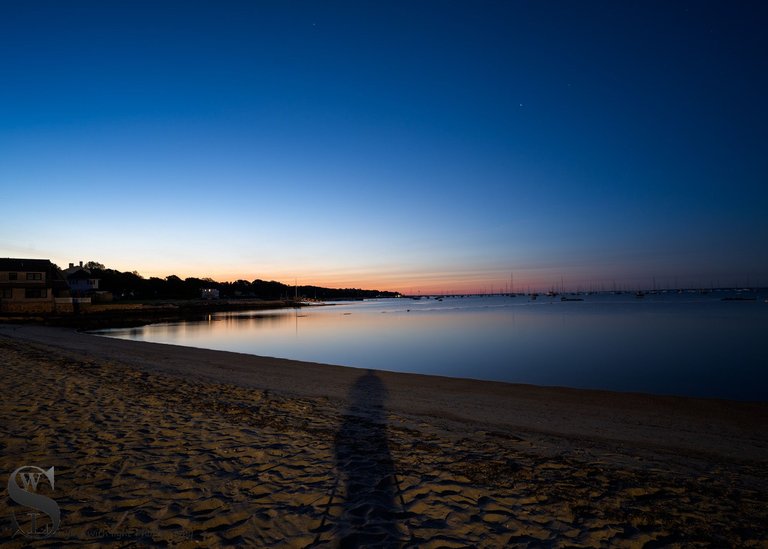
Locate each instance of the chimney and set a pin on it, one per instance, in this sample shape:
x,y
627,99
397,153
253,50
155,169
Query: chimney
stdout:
x,y
81,263
71,265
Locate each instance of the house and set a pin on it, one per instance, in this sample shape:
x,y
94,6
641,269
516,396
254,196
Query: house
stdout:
x,y
80,281
209,293
32,286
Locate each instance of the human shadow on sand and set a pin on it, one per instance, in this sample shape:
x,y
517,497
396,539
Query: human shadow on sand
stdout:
x,y
370,511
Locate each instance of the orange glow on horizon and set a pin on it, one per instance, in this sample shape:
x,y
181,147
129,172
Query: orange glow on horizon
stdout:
x,y
412,280
403,282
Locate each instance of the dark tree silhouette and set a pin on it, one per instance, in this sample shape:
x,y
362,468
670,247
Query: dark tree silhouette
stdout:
x,y
131,285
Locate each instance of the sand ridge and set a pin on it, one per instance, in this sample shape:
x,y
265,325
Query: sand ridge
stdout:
x,y
148,453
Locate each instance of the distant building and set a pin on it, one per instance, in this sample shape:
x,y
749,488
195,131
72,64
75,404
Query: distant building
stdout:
x,y
80,281
209,293
32,286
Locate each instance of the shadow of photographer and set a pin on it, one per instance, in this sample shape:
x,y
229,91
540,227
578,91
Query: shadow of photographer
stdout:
x,y
370,511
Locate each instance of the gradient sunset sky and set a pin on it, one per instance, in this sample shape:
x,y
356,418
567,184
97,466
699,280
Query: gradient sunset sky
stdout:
x,y
412,146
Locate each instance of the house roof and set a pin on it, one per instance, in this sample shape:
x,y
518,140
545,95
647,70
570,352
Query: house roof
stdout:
x,y
23,265
76,273
53,279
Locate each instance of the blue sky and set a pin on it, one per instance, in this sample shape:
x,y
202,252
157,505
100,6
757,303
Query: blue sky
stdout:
x,y
411,146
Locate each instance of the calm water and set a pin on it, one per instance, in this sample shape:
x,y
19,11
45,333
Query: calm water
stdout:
x,y
685,344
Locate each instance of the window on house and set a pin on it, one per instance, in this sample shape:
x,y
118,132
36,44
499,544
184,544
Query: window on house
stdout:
x,y
6,293
35,293
34,276
13,276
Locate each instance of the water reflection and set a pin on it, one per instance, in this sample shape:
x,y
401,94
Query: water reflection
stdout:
x,y
661,344
363,460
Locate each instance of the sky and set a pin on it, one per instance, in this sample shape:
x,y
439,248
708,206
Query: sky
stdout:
x,y
411,146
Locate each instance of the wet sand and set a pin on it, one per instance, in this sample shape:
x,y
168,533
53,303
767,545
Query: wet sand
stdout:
x,y
159,444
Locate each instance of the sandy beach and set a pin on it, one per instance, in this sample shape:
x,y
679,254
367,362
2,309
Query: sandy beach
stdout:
x,y
163,445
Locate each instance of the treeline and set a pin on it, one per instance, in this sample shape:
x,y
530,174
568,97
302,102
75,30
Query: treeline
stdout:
x,y
125,285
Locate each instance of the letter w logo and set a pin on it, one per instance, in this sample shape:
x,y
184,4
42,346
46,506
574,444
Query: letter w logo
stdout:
x,y
30,478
